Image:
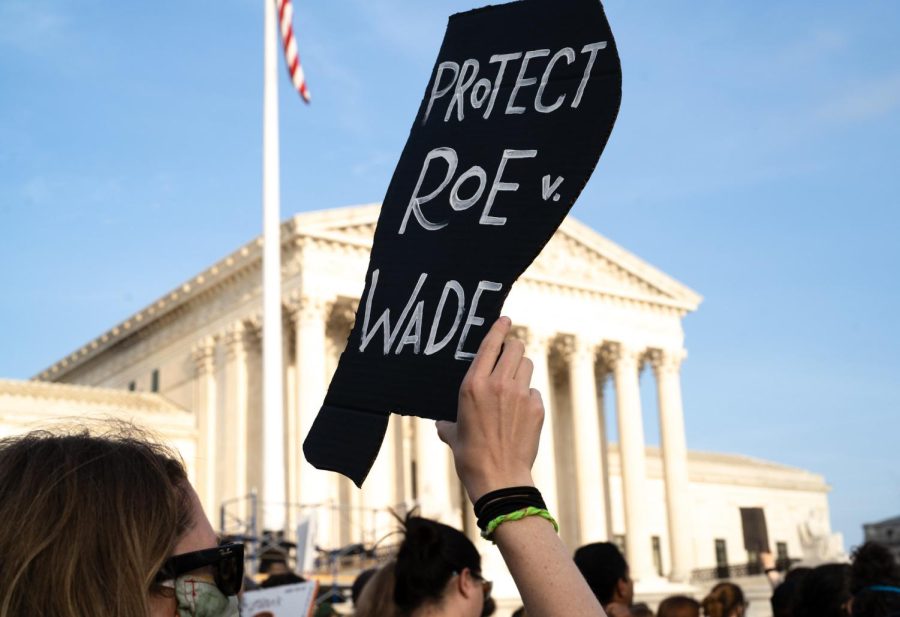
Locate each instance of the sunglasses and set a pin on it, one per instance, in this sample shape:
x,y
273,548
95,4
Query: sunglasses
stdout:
x,y
227,561
486,585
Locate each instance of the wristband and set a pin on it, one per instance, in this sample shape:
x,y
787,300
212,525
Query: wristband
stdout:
x,y
507,500
502,493
518,515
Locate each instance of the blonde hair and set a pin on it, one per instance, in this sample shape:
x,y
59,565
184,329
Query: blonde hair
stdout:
x,y
723,601
377,597
87,521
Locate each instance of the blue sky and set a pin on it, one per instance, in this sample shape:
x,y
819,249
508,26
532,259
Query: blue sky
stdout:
x,y
755,159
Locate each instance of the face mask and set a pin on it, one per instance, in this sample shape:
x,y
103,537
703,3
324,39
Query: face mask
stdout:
x,y
198,596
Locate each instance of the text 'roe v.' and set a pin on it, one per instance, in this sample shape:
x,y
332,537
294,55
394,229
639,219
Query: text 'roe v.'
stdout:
x,y
520,104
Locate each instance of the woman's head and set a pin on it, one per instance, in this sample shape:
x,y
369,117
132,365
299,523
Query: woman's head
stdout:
x,y
823,592
89,520
874,582
376,599
437,564
678,606
725,600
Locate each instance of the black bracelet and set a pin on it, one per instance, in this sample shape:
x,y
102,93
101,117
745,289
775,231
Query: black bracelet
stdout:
x,y
767,570
504,492
505,501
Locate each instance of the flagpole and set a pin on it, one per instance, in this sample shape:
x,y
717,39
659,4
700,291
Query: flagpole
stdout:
x,y
273,480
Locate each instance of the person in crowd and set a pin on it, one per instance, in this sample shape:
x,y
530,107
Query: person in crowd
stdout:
x,y
678,606
273,560
785,594
606,572
325,609
282,578
823,592
489,607
438,572
494,442
640,610
874,582
725,600
770,566
519,612
376,596
107,524
360,582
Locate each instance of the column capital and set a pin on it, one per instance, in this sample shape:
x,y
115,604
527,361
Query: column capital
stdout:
x,y
343,316
236,338
563,345
666,360
519,332
617,355
584,349
253,324
308,308
535,341
203,353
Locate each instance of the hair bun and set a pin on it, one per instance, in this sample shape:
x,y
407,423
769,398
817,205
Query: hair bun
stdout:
x,y
422,538
713,607
429,555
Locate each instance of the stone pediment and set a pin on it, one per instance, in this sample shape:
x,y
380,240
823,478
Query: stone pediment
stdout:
x,y
567,262
576,257
579,257
355,223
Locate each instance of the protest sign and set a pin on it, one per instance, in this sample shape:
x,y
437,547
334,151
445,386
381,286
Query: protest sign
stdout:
x,y
756,533
294,600
520,104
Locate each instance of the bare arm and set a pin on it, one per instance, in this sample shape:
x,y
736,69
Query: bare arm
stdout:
x,y
768,563
494,443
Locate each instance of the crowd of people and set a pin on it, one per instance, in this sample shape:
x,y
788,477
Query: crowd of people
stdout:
x,y
106,523
420,581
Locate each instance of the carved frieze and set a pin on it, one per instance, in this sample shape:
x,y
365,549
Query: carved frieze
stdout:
x,y
566,260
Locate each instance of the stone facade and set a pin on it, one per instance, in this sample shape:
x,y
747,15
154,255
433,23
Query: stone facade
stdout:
x,y
885,532
593,316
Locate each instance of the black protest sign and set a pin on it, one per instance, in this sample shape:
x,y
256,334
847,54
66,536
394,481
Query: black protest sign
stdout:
x,y
756,533
520,104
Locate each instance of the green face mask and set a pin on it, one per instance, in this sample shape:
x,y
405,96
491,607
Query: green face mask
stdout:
x,y
198,596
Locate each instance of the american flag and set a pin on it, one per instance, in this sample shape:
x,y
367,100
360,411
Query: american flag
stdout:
x,y
285,17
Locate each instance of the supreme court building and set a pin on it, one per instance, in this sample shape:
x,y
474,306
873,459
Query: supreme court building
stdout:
x,y
593,316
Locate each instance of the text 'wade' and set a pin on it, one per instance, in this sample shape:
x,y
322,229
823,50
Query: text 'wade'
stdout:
x,y
412,333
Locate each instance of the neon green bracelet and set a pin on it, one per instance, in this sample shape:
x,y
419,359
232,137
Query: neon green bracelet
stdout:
x,y
518,515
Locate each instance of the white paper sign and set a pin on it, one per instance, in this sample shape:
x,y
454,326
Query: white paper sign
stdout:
x,y
284,601
306,542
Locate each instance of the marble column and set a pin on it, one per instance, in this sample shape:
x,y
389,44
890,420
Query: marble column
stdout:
x,y
234,454
588,450
626,364
434,474
544,471
380,489
315,488
204,354
601,375
666,366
